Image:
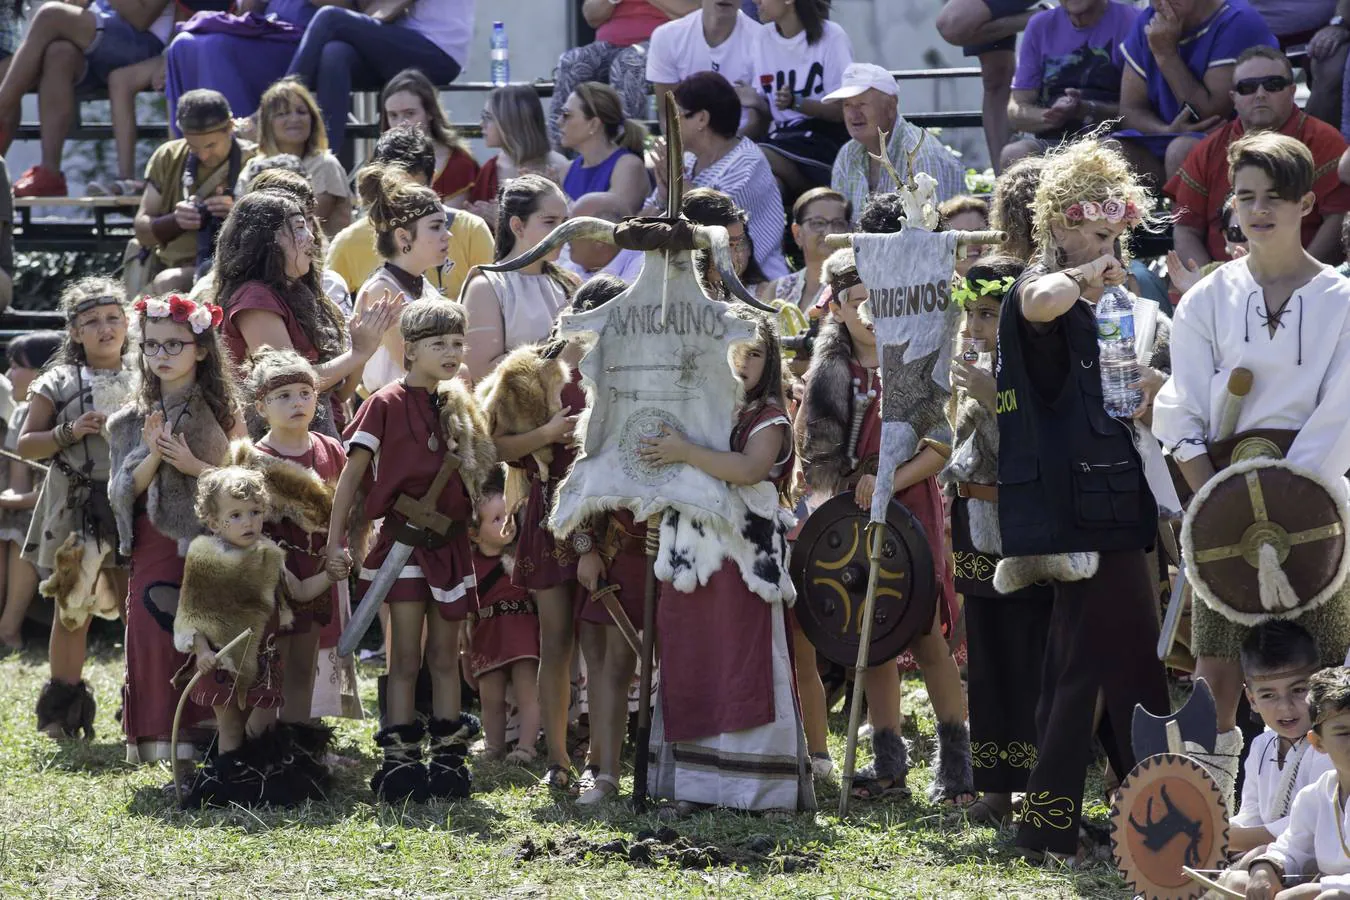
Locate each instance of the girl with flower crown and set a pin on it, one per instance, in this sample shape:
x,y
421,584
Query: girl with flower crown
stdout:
x,y
179,424
1075,508
72,537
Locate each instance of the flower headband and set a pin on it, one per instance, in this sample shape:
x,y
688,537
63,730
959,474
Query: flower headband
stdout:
x,y
200,317
965,293
1112,210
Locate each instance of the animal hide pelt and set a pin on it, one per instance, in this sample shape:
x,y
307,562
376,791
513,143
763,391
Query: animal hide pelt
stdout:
x,y
826,456
464,423
296,493
171,496
1017,572
226,590
72,586
521,394
692,550
975,459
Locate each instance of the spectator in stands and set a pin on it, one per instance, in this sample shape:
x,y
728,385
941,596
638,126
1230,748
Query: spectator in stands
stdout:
x,y
617,56
352,253
987,30
715,157
123,86
507,309
1068,74
189,190
1321,24
289,122
706,206
11,32
69,47
586,258
715,38
240,58
870,103
344,50
411,99
1179,76
965,213
608,147
799,57
513,122
817,214
1263,94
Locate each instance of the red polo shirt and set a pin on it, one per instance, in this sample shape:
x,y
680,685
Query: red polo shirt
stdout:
x,y
1201,186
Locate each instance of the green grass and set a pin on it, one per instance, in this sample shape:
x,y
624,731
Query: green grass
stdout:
x,y
76,821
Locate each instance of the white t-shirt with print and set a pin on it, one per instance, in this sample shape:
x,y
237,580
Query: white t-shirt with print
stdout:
x,y
812,71
678,49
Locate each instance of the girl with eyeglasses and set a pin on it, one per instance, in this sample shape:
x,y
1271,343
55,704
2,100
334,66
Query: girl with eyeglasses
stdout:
x,y
72,537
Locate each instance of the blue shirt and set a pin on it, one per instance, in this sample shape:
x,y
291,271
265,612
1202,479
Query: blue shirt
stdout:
x,y
581,180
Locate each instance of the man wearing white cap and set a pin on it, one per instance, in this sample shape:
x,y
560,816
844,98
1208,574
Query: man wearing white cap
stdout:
x,y
871,105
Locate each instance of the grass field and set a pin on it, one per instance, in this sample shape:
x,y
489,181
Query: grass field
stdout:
x,y
76,821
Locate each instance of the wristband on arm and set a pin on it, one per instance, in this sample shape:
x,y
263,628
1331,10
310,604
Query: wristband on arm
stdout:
x,y
165,228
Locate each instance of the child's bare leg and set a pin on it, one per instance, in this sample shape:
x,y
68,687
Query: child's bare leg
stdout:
x,y
620,661
811,692
67,652
123,86
525,680
593,650
299,660
492,693
50,22
404,661
443,661
231,722
555,668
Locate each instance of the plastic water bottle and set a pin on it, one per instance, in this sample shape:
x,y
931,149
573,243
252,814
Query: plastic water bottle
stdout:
x,y
1119,364
501,56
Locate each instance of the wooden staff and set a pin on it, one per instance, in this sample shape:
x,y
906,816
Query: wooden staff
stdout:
x,y
34,464
644,722
963,239
876,532
182,702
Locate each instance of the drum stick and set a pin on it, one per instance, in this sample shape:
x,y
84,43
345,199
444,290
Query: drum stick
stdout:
x,y
1239,386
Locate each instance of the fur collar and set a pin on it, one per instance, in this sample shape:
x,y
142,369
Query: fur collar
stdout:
x,y
463,421
522,393
297,493
975,458
826,458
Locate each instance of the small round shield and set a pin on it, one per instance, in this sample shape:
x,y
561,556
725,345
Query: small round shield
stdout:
x,y
830,568
1168,814
1264,538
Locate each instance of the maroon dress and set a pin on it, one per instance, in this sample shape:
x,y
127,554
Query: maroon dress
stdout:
x,y
395,424
626,569
304,552
541,561
220,687
716,642
506,625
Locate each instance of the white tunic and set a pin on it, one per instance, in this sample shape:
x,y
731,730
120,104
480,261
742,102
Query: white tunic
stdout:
x,y
1301,374
1268,790
1311,845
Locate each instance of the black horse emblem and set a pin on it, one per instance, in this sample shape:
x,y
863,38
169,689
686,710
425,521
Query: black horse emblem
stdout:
x,y
1158,834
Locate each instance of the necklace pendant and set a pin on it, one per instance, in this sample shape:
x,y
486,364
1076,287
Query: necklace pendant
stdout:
x,y
433,444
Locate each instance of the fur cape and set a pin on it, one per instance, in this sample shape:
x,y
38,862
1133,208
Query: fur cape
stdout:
x,y
171,497
975,458
464,423
73,585
520,395
296,493
825,453
226,590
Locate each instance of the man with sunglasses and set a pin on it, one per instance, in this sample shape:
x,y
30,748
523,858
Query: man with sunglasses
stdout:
x,y
1263,95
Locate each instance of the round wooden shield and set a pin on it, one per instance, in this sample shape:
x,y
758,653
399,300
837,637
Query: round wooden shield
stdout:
x,y
1168,813
830,568
1248,507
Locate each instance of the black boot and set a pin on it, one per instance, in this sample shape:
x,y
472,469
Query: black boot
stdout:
x,y
953,774
403,775
449,772
305,749
70,706
220,782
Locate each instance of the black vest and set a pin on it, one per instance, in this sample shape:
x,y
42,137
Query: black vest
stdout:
x,y
1069,476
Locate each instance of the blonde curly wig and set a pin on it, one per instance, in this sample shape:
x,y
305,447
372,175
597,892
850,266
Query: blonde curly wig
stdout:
x,y
1084,171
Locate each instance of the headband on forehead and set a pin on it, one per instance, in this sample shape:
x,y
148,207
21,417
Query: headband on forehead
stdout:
x,y
89,303
1266,677
842,281
415,212
281,379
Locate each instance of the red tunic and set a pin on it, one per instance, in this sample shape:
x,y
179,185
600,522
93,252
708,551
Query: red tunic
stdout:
x,y
257,295
325,457
218,688
541,561
506,626
458,176
395,424
484,188
627,569
716,642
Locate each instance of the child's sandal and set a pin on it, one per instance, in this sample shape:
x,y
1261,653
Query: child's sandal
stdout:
x,y
605,786
522,756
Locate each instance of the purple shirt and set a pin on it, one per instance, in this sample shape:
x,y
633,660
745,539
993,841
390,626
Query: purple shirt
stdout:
x,y
1056,55
1216,42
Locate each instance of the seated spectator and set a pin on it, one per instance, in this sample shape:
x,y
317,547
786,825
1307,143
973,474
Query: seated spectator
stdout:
x,y
987,30
411,99
799,57
870,103
1263,93
69,47
507,309
11,30
1068,74
965,213
617,55
705,206
817,214
513,122
238,56
716,158
189,190
343,50
586,258
289,123
352,254
1307,22
123,86
1178,78
608,147
718,37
